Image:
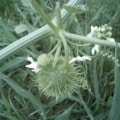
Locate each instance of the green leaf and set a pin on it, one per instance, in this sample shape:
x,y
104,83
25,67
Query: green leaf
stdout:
x,y
10,117
43,15
21,28
65,115
24,93
26,3
96,16
115,109
15,109
7,32
73,8
12,64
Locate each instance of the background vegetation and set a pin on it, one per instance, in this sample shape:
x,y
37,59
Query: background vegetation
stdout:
x,y
20,99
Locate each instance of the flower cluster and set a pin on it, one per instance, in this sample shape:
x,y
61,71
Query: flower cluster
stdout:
x,y
103,32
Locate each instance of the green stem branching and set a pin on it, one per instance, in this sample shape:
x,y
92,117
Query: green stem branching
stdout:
x,y
58,16
57,54
90,40
65,47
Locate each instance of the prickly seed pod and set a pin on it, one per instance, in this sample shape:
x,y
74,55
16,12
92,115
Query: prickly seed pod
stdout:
x,y
44,59
57,81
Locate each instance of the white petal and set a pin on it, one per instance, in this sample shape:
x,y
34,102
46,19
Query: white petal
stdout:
x,y
79,58
33,65
72,60
95,49
86,58
36,70
102,29
94,29
30,59
29,66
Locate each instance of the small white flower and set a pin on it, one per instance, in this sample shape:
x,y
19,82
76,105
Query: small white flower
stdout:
x,y
111,39
95,49
79,58
109,34
94,29
84,58
33,65
102,29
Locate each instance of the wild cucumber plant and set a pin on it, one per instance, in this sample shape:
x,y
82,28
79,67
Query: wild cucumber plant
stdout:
x,y
62,72
56,75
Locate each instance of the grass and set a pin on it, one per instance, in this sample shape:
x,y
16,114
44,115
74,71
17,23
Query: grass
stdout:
x,y
20,98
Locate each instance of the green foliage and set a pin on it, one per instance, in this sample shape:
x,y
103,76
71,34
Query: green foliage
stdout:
x,y
115,110
26,95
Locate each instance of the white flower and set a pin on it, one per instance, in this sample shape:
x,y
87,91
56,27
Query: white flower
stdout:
x,y
95,49
84,58
94,29
33,65
79,58
102,29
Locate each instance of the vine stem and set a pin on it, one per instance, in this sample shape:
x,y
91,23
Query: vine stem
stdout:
x,y
57,54
54,49
65,47
31,38
90,40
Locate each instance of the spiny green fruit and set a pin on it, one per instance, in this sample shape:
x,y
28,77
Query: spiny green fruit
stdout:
x,y
44,59
58,81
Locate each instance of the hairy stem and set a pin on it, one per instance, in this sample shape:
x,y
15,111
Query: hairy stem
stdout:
x,y
57,54
65,47
90,40
34,36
